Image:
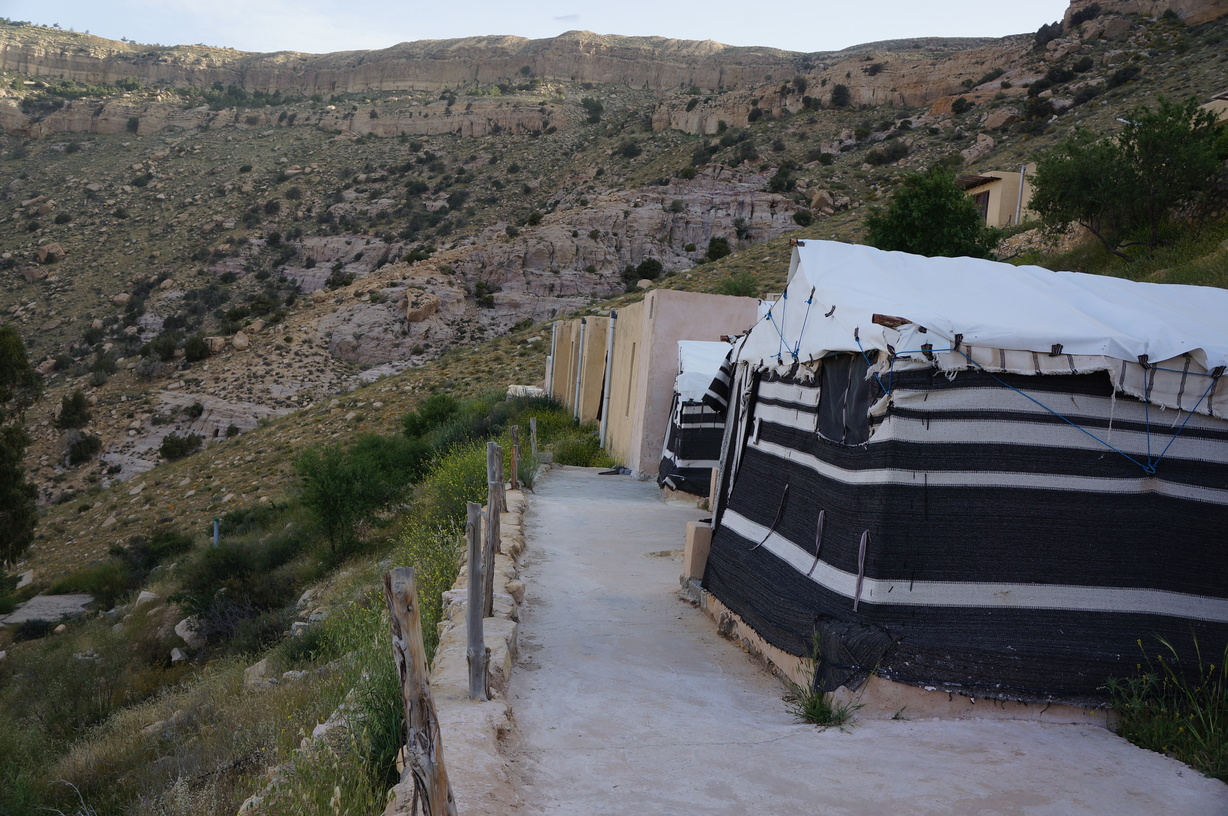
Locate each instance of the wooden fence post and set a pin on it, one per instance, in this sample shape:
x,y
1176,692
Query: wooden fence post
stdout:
x,y
490,542
421,724
478,654
533,439
515,476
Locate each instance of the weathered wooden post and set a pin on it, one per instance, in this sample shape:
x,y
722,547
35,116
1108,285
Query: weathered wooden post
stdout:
x,y
425,749
533,439
478,654
490,542
515,476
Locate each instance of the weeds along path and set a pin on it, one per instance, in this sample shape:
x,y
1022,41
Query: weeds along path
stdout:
x,y
628,702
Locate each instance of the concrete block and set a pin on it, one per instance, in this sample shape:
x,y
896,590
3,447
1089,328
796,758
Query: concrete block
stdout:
x,y
698,544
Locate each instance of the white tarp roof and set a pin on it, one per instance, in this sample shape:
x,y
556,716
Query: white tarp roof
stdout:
x,y
994,305
698,363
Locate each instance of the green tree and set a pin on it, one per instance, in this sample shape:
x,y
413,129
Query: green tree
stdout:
x,y
20,386
840,96
74,411
930,215
1124,189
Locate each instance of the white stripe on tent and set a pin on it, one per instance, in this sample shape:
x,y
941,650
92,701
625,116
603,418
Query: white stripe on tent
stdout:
x,y
987,478
962,594
1075,407
985,430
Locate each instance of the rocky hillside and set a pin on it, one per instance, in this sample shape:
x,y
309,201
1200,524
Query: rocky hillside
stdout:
x,y
202,240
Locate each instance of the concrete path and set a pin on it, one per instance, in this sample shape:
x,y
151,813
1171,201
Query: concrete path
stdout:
x,y
627,702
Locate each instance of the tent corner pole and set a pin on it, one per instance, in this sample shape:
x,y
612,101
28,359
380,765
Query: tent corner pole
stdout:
x,y
609,370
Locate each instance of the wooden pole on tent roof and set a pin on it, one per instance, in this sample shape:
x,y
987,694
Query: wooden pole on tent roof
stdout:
x,y
425,749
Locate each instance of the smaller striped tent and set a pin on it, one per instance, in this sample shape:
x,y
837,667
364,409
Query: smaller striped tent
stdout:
x,y
693,439
975,477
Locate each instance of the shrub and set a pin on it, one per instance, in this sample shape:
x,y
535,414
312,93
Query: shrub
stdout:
x,y
74,411
33,629
649,268
840,96
175,446
580,449
888,152
195,348
1127,73
960,106
743,284
717,248
433,412
83,448
803,218
1178,710
628,149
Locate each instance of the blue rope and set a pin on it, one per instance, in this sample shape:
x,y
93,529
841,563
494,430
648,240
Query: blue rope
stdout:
x,y
1149,469
1188,417
780,345
1190,373
797,347
886,390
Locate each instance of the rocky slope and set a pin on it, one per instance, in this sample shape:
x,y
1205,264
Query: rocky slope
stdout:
x,y
314,243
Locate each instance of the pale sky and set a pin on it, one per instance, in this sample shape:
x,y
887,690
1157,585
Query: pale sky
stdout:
x,y
318,26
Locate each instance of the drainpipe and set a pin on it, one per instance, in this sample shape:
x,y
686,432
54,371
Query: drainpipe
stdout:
x,y
579,367
554,341
1023,171
609,369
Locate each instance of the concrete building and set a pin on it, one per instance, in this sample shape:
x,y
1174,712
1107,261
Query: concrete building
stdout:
x,y
634,410
1001,196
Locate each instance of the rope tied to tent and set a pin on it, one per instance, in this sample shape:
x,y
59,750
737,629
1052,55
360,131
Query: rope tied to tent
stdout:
x,y
861,567
857,337
818,541
1149,467
797,347
780,511
780,346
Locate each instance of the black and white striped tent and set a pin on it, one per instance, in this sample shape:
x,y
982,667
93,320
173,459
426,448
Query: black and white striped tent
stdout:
x,y
693,438
976,477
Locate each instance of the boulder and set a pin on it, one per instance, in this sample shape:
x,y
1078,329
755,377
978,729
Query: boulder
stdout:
x,y
121,299
1000,118
263,673
178,655
45,367
420,305
240,341
216,345
146,597
50,253
186,629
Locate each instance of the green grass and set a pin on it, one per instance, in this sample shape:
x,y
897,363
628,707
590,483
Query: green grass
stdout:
x,y
817,707
1181,711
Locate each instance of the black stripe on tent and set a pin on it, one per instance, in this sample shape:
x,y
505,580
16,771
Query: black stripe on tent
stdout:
x,y
923,532
1022,654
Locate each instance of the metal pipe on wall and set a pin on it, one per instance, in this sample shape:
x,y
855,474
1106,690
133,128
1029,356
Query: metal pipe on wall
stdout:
x,y
554,342
579,367
609,370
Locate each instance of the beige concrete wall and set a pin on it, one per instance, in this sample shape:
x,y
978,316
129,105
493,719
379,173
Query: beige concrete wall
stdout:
x,y
589,360
1004,196
646,363
563,378
592,372
624,386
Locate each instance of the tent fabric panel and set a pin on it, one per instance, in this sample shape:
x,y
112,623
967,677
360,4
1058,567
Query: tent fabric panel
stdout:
x,y
990,535
1028,524
1007,653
